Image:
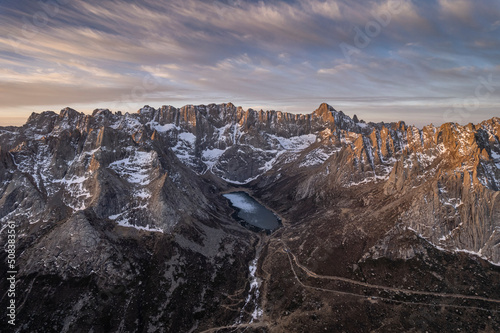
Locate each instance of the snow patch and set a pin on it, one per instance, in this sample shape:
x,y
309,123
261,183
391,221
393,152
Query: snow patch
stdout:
x,y
453,202
128,123
164,128
317,156
184,149
125,223
253,294
295,143
78,193
211,156
124,219
190,138
136,168
241,202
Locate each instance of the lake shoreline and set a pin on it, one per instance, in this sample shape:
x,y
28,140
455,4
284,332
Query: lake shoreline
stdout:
x,y
284,222
238,211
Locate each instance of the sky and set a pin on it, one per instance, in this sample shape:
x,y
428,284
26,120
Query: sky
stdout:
x,y
419,61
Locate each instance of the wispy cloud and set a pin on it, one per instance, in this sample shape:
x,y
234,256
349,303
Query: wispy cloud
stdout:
x,y
284,54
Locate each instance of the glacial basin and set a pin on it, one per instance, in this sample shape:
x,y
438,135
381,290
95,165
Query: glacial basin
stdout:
x,y
251,213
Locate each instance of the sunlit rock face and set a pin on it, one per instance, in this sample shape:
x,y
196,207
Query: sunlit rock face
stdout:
x,y
114,205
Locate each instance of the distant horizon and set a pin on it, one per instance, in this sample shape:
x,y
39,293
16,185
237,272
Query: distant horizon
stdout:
x,y
19,121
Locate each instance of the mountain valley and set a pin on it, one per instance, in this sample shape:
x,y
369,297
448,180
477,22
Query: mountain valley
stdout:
x,y
122,225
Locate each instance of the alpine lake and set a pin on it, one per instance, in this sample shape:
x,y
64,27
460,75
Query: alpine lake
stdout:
x,y
251,214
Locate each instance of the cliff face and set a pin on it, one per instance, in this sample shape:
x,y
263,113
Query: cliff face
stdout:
x,y
106,201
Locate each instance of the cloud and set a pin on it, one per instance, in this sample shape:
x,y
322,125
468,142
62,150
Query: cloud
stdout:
x,y
33,94
345,67
495,25
460,9
123,54
329,9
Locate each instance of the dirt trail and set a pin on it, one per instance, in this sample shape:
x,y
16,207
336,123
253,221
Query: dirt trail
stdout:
x,y
253,325
385,288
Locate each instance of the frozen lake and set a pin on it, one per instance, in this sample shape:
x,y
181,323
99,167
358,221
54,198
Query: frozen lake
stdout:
x,y
252,212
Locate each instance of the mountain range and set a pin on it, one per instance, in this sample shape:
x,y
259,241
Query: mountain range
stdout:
x,y
122,227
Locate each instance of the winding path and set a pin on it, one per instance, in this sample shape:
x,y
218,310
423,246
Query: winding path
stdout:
x,y
292,258
384,288
215,329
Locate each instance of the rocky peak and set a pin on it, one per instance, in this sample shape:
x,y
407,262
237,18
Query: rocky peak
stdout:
x,y
34,117
70,113
103,112
325,112
146,110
